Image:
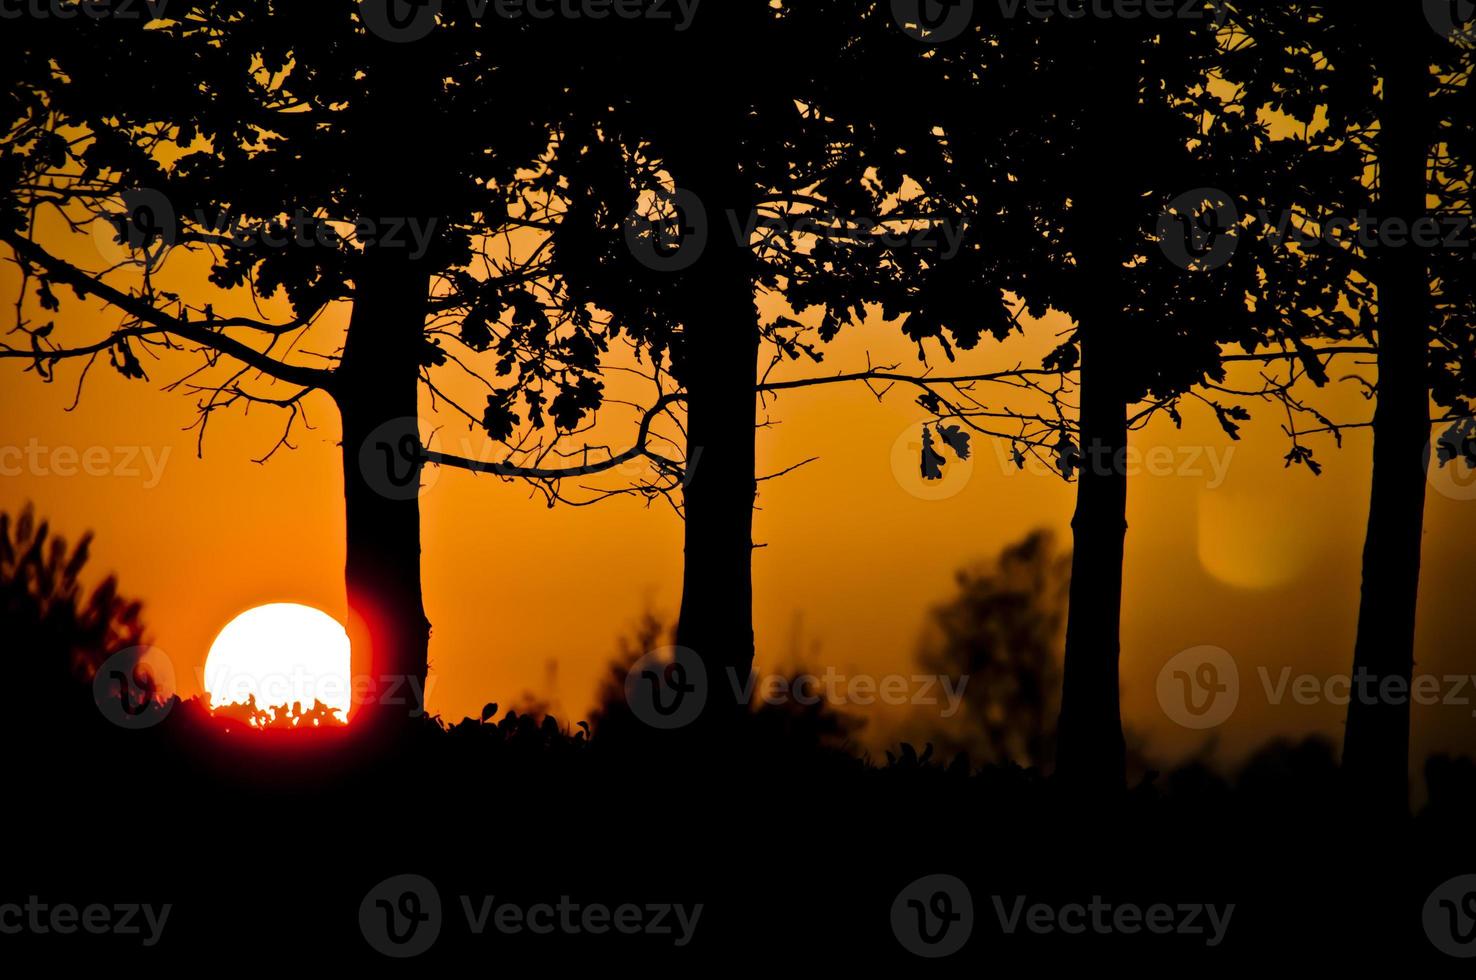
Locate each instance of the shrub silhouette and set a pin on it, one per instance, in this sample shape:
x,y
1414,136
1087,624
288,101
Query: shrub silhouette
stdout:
x,y
278,716
1003,632
786,726
60,631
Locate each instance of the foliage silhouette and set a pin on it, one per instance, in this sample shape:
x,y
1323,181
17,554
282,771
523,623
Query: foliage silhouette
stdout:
x,y
293,122
808,728
60,632
1397,148
689,204
1077,187
1003,632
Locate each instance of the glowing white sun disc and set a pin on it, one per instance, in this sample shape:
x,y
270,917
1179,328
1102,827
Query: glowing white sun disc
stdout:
x,y
283,654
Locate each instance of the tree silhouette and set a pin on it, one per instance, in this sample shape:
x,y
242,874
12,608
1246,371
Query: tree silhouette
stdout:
x,y
1082,187
1395,154
306,157
685,203
1412,61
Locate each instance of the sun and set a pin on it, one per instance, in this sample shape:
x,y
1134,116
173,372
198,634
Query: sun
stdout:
x,y
283,654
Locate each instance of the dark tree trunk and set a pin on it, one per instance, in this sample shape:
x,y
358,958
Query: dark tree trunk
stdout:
x,y
1376,743
720,365
1089,749
377,389
1090,752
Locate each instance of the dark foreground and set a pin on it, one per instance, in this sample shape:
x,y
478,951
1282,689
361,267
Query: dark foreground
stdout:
x,y
515,845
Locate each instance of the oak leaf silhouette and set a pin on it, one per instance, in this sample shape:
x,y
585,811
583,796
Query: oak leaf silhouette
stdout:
x,y
932,460
956,439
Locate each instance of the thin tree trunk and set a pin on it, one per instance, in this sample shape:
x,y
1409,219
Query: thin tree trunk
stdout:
x,y
1090,752
1376,743
377,390
720,365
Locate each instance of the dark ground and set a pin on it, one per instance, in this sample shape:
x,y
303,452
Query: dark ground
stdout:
x,y
267,844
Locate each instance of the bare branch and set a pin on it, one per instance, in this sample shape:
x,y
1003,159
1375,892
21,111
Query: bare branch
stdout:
x,y
145,312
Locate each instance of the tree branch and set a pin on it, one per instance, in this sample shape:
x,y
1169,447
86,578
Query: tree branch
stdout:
x,y
84,284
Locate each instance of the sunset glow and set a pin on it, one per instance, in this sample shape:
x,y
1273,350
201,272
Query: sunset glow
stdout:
x,y
461,496
280,654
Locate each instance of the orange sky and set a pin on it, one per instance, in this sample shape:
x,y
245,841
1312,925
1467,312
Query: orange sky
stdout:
x,y
1256,559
